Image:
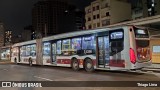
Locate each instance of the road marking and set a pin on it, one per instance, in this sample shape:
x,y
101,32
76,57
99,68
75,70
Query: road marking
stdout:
x,y
5,69
43,78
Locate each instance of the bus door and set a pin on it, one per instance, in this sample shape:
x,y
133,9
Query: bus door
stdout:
x,y
54,52
103,51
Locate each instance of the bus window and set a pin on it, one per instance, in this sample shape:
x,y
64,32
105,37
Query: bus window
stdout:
x,y
23,51
14,52
88,43
66,46
76,45
28,50
33,50
46,48
116,41
116,47
58,47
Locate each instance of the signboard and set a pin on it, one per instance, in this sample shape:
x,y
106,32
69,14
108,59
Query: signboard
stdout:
x,y
156,49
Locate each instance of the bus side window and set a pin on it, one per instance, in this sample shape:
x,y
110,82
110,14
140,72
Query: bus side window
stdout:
x,y
116,41
46,48
116,47
23,51
88,43
76,45
66,44
59,47
33,50
28,50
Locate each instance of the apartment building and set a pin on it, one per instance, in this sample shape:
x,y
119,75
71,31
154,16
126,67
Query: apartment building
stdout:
x,y
105,12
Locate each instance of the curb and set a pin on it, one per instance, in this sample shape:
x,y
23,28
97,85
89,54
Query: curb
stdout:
x,y
152,69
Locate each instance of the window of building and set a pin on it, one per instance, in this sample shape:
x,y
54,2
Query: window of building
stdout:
x,y
97,7
93,8
107,14
97,16
106,5
105,22
89,10
94,16
89,26
94,25
98,24
89,18
46,48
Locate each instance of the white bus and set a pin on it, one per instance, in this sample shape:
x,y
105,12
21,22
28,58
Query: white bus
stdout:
x,y
118,48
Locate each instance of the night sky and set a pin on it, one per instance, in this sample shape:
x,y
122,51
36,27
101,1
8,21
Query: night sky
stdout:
x,y
16,14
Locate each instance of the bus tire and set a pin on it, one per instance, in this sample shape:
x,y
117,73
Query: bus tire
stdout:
x,y
88,65
15,60
75,64
30,61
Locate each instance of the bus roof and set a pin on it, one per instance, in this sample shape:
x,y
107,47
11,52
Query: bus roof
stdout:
x,y
24,43
71,34
77,33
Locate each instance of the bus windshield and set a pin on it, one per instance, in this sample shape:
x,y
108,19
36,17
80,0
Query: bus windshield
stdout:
x,y
140,33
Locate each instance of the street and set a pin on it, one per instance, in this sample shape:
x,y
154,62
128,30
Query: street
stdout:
x,y
12,72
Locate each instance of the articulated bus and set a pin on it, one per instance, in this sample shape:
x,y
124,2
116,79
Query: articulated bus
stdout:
x,y
117,48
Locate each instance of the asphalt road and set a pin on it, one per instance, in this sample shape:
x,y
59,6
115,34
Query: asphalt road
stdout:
x,y
11,72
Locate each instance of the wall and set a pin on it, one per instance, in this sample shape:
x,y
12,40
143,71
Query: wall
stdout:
x,y
155,56
120,11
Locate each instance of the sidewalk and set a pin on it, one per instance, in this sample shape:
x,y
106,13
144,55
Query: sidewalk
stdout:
x,y
153,67
5,62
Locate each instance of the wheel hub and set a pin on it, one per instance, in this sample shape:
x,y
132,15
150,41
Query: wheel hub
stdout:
x,y
75,64
89,65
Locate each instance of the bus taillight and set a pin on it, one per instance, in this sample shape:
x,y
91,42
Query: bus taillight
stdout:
x,y
132,56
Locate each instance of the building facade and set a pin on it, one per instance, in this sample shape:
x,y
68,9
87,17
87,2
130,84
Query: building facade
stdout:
x,y
8,37
105,12
28,33
51,17
2,30
145,8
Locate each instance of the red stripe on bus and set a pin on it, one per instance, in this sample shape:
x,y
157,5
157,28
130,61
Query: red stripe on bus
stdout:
x,y
68,61
117,63
64,61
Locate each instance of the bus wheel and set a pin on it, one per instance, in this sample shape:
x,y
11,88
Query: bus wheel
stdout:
x,y
88,65
75,64
15,61
30,61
